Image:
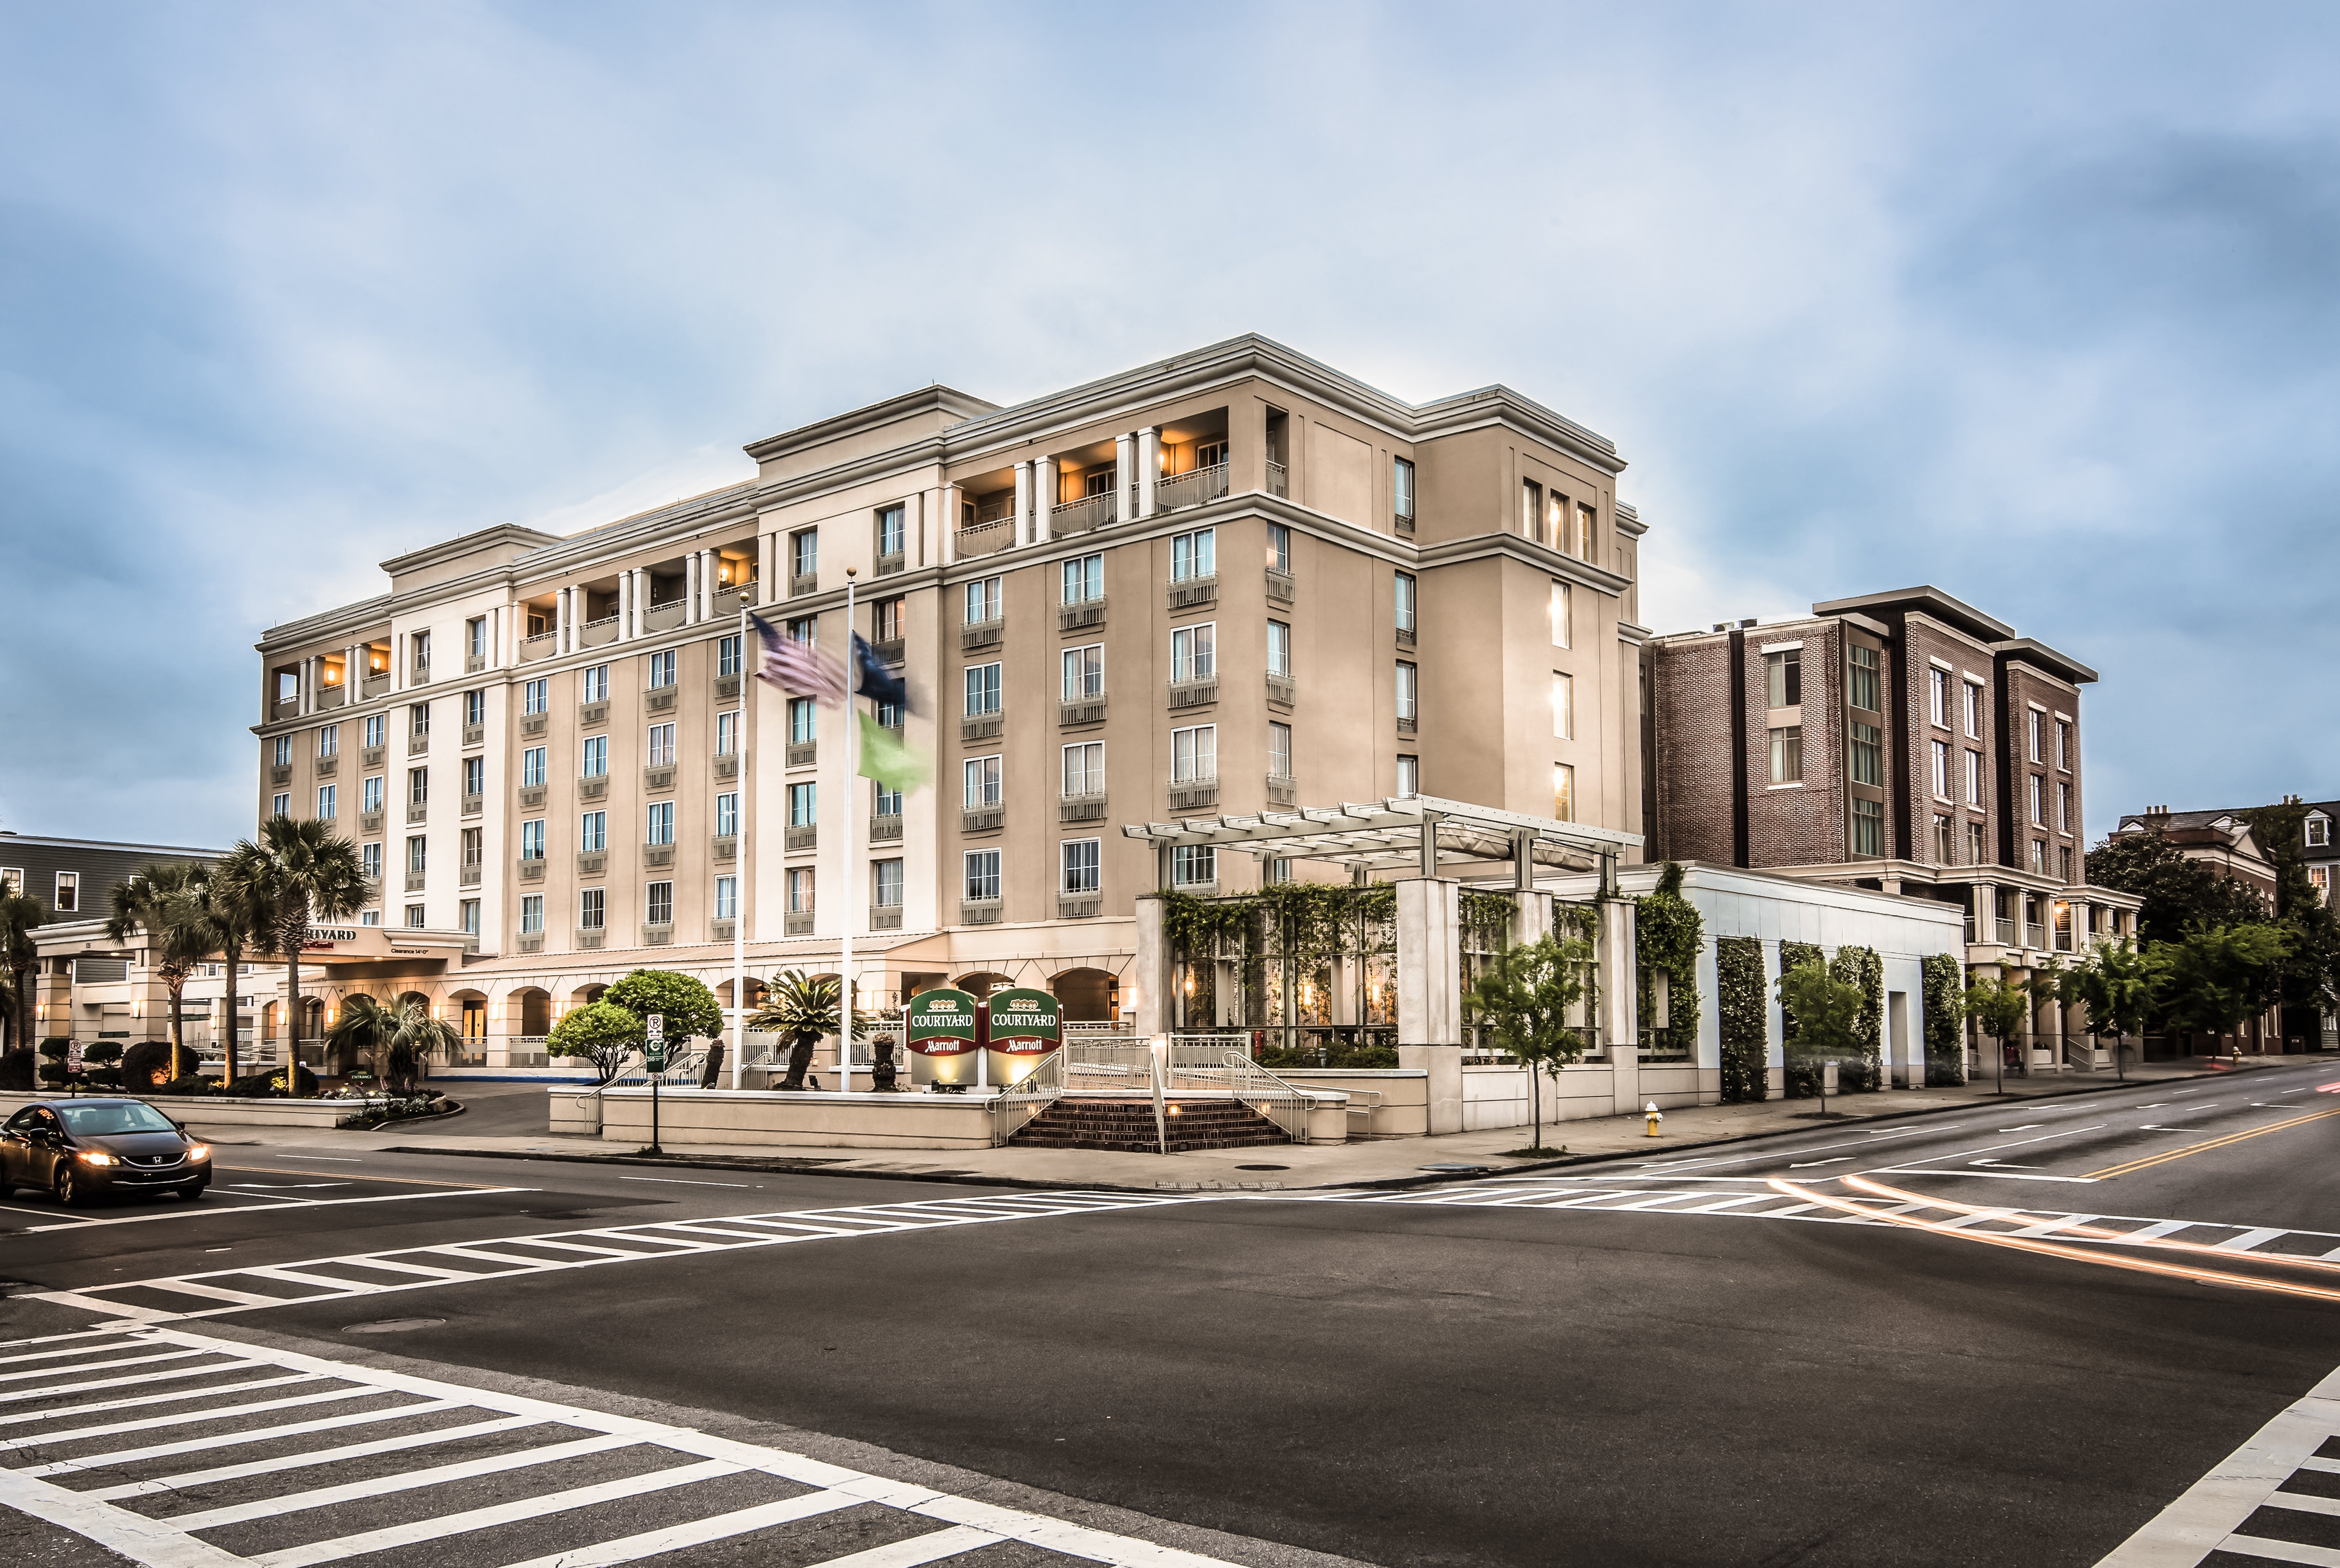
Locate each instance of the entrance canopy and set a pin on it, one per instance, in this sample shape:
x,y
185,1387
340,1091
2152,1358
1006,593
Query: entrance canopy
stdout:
x,y
1413,834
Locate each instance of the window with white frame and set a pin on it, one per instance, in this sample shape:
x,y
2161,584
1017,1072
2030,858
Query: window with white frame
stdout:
x,y
532,914
475,774
594,683
1531,510
417,853
1193,653
2063,746
726,898
1974,778
884,802
2040,855
370,916
982,683
893,536
658,822
1402,488
2038,800
982,876
1937,696
727,815
2318,830
1588,532
475,637
1788,754
1279,749
981,776
329,740
1085,768
885,884
1868,827
593,832
661,669
1555,522
467,916
592,908
804,553
2063,806
657,904
414,920
983,601
325,798
535,696
1409,775
2320,878
1408,681
1082,858
805,629
1083,672
532,838
1083,580
417,720
727,655
1195,754
371,727
1563,792
370,858
595,763
66,894
804,720
1562,612
12,881
661,744
1194,555
417,786
370,793
1941,775
1944,848
1564,707
280,805
1974,844
281,752
1279,549
1974,709
531,767
1279,648
2038,735
1402,588
804,805
727,734
1193,866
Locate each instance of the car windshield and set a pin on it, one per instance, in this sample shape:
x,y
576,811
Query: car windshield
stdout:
x,y
120,1116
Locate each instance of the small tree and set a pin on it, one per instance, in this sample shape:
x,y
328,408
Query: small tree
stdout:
x,y
2117,984
2214,977
415,1034
1523,999
803,1010
601,1032
686,1004
1999,1009
1827,1019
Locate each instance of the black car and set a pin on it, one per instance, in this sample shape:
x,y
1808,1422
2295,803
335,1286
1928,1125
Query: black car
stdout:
x,y
77,1147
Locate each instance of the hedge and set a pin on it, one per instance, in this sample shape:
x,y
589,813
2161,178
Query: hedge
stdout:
x,y
1862,967
1745,1016
1946,1006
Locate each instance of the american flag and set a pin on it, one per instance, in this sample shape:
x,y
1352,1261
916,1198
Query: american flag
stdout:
x,y
799,667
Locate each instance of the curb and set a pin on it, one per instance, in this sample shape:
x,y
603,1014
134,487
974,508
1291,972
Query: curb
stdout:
x,y
816,1165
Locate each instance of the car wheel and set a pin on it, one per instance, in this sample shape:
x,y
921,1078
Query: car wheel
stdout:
x,y
192,1191
69,1188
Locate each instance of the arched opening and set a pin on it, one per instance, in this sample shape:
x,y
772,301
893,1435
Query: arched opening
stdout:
x,y
753,989
1087,996
411,999
272,1021
313,1020
534,1005
470,1018
982,983
584,994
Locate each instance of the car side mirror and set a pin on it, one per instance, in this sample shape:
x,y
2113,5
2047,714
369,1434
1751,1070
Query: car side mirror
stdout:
x,y
180,1125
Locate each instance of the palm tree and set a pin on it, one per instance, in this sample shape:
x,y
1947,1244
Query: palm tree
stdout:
x,y
417,1035
802,1010
365,1025
155,902
19,915
236,915
299,871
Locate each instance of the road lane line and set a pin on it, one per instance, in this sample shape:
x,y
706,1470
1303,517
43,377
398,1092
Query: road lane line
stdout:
x,y
312,1458
404,1481
2210,1144
679,1181
2016,1144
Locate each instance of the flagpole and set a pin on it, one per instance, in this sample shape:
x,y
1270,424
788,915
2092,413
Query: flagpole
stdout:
x,y
745,860
852,807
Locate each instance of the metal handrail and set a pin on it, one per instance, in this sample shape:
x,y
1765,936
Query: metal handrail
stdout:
x,y
1268,1095
1014,1108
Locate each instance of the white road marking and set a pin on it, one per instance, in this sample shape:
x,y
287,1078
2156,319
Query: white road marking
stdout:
x,y
198,1211
1998,1176
1838,1160
311,1458
678,1181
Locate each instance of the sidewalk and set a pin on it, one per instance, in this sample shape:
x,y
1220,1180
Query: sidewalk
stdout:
x,y
1384,1162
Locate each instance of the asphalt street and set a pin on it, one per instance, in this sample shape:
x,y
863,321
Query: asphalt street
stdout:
x,y
1973,1338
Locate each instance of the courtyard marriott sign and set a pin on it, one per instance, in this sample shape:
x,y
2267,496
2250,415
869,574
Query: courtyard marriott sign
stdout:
x,y
939,1027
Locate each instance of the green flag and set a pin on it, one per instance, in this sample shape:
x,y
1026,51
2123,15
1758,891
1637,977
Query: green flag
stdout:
x,y
890,760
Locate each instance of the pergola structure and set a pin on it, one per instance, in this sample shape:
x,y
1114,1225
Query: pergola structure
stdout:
x,y
1410,836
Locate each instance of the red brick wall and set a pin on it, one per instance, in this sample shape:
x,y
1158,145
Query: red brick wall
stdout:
x,y
1689,690
1923,642
1787,825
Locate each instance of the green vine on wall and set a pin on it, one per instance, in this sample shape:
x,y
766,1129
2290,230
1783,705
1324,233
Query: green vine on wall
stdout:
x,y
1743,1016
1862,967
1668,934
1946,1007
1803,1078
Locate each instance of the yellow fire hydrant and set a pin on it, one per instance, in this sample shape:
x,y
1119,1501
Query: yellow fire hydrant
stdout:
x,y
1655,1115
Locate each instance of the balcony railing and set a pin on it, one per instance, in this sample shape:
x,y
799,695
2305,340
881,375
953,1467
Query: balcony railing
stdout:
x,y
801,839
1407,724
535,647
1087,612
1196,692
982,818
474,662
721,930
801,583
468,876
534,724
2005,931
1083,516
659,698
473,804
1193,592
1282,790
1089,807
1194,794
887,565
727,689
886,829
1078,906
416,745
280,773
529,942
590,939
982,726
1279,480
729,602
665,617
1404,521
1191,488
531,870
885,917
595,634
658,855
414,881
592,862
370,822
803,753
591,713
890,649
985,538
475,734
657,934
531,797
374,685
727,765
1282,690
328,766
331,697
1405,636
724,846
593,786
978,911
415,812
1081,710
798,923
660,777
974,634
373,756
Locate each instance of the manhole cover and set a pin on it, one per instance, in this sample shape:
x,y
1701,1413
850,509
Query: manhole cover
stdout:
x,y
396,1325
1263,1167
1453,1168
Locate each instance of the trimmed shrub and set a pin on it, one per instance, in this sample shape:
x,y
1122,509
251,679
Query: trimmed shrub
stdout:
x,y
1332,1054
16,1070
186,1083
144,1063
1745,1017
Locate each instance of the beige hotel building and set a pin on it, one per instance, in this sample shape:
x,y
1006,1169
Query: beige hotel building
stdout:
x,y
1232,581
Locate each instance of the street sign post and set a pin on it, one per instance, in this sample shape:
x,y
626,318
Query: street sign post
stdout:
x,y
654,1058
72,1065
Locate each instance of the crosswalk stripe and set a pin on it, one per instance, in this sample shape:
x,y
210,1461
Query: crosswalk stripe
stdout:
x,y
237,1439
404,1481
918,1549
763,1516
176,1395
314,1457
121,1344
2248,1240
95,1366
173,1374
140,1539
214,1413
2281,1551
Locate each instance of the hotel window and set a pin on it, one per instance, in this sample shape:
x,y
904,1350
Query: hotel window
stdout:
x,y
1562,612
885,884
658,822
475,637
370,858
1084,579
531,769
1555,525
662,669
1942,772
2063,806
369,798
1943,843
1531,510
982,874
417,786
532,838
596,764
1974,711
417,853
1401,602
1279,648
886,619
1279,750
374,727
657,904
593,832
1409,777
2040,855
421,643
1783,677
1588,532
1194,555
67,898
533,695
727,734
1788,755
885,802
532,914
1193,653
591,908
1868,754
661,745
417,720
280,806
887,713
1869,827
1409,694
2038,735
2064,864
983,599
281,751
1402,489
1085,768
980,775
892,537
2319,832
475,708
727,815
1279,549
1210,454
982,689
2063,746
1938,696
475,774
805,629
1975,853
1974,778
414,917
2038,801
1862,667
595,683
727,655
325,801
370,916
1193,866
1081,858
329,740
726,898
467,916
471,846
1195,754
1278,872
1564,707
804,553
1083,672
800,889
1563,792
804,805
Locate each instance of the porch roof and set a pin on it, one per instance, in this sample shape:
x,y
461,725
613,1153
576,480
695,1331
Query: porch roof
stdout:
x,y
1422,835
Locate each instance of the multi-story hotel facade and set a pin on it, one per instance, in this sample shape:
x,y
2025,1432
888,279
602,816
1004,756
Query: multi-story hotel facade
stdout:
x,y
1232,580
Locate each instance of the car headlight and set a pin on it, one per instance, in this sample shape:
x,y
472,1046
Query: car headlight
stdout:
x,y
199,1151
94,1157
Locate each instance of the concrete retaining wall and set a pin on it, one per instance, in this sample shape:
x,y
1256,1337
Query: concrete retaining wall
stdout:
x,y
211,1111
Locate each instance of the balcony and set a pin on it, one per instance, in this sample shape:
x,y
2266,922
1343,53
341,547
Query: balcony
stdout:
x,y
1404,521
369,823
1081,710
589,714
886,830
415,812
473,804
533,870
987,538
1078,906
531,798
1077,616
885,917
1408,725
416,745
722,930
1194,794
799,839
724,846
370,757
328,766
1194,488
285,708
598,634
977,634
729,602
590,937
890,565
414,881
1086,515
1084,807
1281,691
803,753
890,649
659,699
1282,790
797,925
474,662
1196,692
534,724
982,726
331,697
468,876
727,689
419,676
982,818
280,773
593,786
661,777
1282,588
592,862
657,935
978,911
1279,481
374,685
1405,636
665,616
2005,929
529,942
1193,592
658,856
475,734
727,765
534,648
801,583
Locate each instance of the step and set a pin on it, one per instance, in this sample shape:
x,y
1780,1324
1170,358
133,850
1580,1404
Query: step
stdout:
x,y
1128,1126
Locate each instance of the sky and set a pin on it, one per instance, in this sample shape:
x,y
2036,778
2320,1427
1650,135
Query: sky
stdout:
x,y
2035,304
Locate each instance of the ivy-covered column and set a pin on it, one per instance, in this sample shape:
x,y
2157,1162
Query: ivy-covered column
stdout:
x,y
1532,916
1430,992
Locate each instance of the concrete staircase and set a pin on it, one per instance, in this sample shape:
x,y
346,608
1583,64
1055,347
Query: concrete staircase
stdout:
x,y
1127,1127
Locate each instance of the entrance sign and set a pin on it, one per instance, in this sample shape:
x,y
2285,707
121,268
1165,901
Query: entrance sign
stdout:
x,y
939,1026
1025,1025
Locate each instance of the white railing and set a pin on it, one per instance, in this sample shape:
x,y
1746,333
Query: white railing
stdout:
x,y
1268,1095
985,538
1082,516
1013,1108
681,1072
1192,488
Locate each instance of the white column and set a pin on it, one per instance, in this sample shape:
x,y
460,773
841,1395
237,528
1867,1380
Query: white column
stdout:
x,y
398,661
948,524
1430,992
1149,468
1124,462
691,589
352,672
1043,497
1150,973
921,509
1023,503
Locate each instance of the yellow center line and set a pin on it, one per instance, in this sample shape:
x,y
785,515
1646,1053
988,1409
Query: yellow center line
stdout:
x,y
354,1175
2209,1144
